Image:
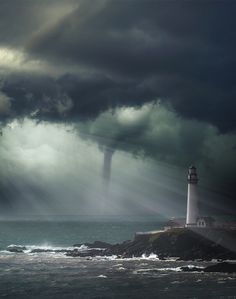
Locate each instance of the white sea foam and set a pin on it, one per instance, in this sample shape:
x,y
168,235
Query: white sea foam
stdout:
x,y
144,257
43,248
117,265
175,269
193,266
178,269
121,269
6,252
171,259
150,256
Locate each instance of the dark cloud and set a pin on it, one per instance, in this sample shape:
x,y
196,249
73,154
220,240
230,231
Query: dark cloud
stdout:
x,y
5,104
139,51
41,96
179,50
85,59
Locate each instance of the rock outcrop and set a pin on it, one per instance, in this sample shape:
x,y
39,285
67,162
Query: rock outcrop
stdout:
x,y
186,244
222,267
16,248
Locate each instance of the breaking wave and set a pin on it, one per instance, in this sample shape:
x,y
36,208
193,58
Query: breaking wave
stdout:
x,y
82,251
43,248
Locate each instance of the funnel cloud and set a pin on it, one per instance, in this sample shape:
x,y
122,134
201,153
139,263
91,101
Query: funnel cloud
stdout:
x,y
106,174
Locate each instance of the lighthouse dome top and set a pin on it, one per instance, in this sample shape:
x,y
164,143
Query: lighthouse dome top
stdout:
x,y
192,169
192,175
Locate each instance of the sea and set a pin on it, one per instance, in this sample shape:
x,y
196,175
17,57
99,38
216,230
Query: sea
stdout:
x,y
52,274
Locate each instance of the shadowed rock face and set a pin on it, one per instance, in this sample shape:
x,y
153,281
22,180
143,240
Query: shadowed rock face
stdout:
x,y
15,248
185,244
203,244
222,267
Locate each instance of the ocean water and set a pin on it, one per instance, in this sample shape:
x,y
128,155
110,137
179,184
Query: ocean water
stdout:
x,y
54,275
69,232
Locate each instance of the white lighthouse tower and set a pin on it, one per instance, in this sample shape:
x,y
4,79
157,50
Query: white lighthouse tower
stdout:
x,y
192,205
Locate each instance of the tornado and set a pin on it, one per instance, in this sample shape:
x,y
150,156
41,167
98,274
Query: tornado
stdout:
x,y
106,174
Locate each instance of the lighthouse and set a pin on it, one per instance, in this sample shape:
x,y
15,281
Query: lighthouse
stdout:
x,y
192,204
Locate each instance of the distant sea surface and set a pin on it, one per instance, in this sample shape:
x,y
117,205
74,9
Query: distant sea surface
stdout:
x,y
68,232
53,275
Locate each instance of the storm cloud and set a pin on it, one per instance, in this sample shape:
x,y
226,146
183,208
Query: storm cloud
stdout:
x,y
154,79
117,53
155,131
178,50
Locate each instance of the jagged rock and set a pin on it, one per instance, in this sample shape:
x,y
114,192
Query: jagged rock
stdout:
x,y
17,248
222,267
134,248
204,244
186,244
41,250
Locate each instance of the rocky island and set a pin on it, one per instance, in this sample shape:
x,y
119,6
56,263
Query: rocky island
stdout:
x,y
182,243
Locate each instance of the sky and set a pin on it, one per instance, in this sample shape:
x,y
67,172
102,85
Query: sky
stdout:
x,y
123,93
